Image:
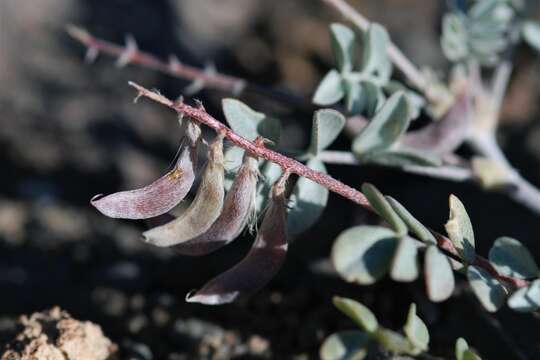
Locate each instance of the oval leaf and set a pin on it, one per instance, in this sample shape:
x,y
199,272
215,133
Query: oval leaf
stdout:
x,y
414,225
511,258
363,254
384,209
385,128
394,342
438,274
327,124
405,265
249,123
357,312
416,331
522,302
531,34
330,89
345,345
460,231
487,289
308,201
375,58
342,40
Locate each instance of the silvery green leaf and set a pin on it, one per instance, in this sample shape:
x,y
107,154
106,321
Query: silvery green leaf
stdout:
x,y
416,101
511,258
460,230
531,34
463,352
330,89
342,40
373,97
249,123
327,124
534,292
270,172
487,289
438,274
354,98
454,38
404,264
307,201
384,209
360,314
232,161
483,10
401,157
522,302
461,346
375,58
412,223
416,331
394,342
385,128
345,345
363,254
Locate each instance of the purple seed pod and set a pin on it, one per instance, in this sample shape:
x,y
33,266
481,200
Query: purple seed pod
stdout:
x,y
160,196
261,263
238,210
204,209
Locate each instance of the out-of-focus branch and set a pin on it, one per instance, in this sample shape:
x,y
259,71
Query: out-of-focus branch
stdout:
x,y
415,76
130,54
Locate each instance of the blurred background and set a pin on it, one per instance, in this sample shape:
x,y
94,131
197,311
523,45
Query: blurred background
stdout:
x,y
69,131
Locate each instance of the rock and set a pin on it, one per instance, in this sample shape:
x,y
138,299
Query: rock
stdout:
x,y
55,335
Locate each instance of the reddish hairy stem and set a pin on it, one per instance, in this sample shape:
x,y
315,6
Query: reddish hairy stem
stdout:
x,y
292,166
286,163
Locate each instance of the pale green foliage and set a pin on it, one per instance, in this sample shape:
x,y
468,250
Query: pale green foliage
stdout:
x,y
459,229
364,254
354,344
480,34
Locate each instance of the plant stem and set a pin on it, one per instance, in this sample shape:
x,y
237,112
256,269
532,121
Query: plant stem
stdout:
x,y
445,172
175,68
286,163
289,165
414,75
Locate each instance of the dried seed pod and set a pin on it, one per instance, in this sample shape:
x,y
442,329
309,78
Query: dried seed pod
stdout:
x,y
261,263
161,195
204,209
238,208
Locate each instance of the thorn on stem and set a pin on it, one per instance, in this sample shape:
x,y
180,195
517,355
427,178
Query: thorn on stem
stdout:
x,y
129,53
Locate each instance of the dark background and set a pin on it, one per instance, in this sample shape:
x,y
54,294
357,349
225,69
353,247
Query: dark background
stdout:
x,y
69,131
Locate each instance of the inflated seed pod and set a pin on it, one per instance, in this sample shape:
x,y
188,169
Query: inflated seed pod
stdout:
x,y
238,209
204,209
261,263
163,194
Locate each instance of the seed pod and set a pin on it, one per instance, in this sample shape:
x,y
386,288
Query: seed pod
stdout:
x,y
238,208
204,209
261,263
161,195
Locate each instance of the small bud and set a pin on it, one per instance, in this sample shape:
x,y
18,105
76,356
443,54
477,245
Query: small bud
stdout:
x,y
238,209
160,196
261,263
204,209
